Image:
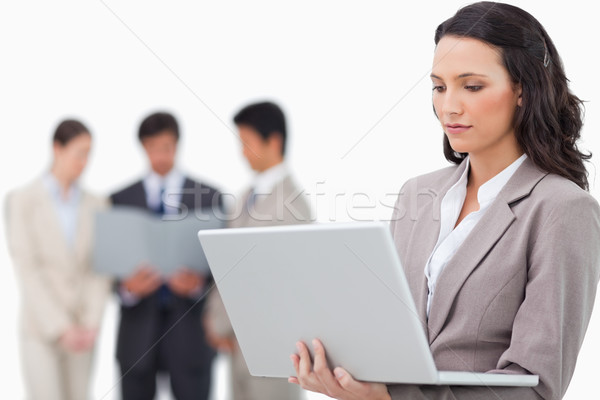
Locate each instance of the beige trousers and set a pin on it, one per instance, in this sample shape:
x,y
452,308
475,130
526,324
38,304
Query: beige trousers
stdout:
x,y
52,373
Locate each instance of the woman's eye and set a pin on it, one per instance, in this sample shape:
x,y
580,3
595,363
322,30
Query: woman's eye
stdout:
x,y
438,88
473,88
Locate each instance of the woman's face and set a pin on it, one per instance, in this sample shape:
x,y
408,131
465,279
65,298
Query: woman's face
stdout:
x,y
72,158
474,98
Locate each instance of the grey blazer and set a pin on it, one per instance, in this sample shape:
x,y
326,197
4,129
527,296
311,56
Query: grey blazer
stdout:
x,y
518,294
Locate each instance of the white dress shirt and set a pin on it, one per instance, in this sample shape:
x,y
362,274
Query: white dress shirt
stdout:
x,y
172,184
154,184
265,181
66,208
451,238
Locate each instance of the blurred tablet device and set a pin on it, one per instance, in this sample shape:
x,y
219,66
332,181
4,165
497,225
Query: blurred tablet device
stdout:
x,y
342,283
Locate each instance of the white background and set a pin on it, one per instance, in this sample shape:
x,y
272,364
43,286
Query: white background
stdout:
x,y
352,77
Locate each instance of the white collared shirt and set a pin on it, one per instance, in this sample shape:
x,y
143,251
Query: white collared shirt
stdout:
x,y
451,238
66,209
265,181
172,184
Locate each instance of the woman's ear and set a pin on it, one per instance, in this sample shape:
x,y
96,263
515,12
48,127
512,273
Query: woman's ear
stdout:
x,y
519,92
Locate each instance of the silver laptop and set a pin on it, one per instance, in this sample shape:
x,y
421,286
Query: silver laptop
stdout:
x,y
342,283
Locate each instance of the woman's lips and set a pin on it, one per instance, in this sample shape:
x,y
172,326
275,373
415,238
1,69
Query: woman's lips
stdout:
x,y
456,128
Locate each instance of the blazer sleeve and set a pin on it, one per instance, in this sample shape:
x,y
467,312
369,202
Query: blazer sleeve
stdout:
x,y
95,288
216,317
51,317
95,291
548,331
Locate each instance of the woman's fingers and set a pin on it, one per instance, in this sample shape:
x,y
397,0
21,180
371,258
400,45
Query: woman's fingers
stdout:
x,y
305,363
318,377
360,390
320,367
347,382
293,379
323,372
296,362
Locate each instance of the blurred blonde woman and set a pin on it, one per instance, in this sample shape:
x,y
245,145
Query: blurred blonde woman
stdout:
x,y
49,224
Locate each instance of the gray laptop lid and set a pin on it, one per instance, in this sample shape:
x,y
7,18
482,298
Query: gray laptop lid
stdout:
x,y
341,283
284,284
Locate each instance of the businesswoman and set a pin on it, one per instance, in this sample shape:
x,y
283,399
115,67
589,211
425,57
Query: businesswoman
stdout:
x,y
505,279
50,237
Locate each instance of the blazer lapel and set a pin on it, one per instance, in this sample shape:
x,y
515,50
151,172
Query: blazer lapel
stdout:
x,y
137,196
482,238
241,216
266,209
492,226
53,230
271,206
423,238
84,228
190,197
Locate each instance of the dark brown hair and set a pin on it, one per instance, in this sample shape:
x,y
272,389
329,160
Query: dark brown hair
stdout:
x,y
548,124
266,118
67,130
156,123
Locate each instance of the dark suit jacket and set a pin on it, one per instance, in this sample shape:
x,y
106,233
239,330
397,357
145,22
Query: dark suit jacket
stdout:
x,y
517,296
140,325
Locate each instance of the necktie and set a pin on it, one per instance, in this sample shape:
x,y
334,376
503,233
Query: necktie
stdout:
x,y
160,210
250,200
164,293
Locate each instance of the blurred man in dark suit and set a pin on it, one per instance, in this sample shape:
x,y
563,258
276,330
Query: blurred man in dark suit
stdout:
x,y
160,328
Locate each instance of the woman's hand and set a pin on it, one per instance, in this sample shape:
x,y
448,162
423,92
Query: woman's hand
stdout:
x,y
338,384
77,339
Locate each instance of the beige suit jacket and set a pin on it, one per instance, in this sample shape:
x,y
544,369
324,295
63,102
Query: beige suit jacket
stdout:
x,y
285,205
518,294
58,286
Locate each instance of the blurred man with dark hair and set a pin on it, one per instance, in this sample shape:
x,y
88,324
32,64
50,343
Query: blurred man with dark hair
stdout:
x,y
160,328
273,199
